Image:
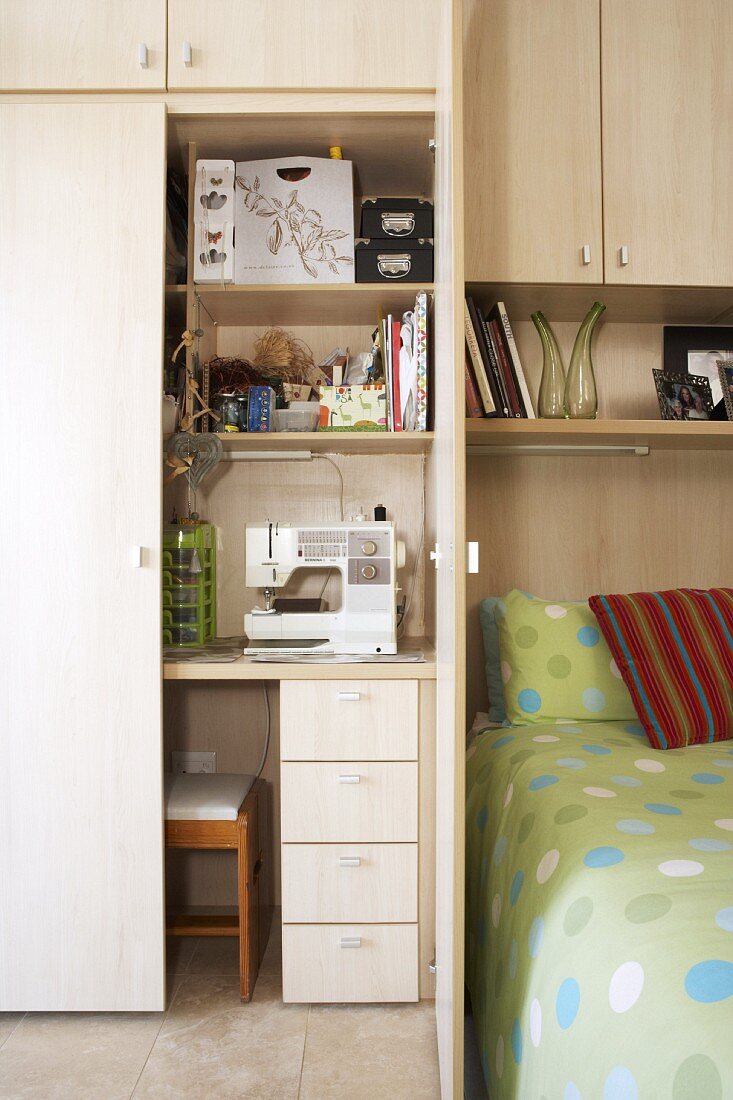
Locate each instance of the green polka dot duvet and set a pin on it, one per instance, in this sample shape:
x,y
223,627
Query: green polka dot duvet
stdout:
x,y
599,915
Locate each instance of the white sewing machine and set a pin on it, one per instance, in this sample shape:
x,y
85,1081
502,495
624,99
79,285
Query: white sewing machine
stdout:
x,y
366,555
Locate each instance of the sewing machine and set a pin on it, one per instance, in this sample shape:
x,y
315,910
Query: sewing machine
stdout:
x,y
366,554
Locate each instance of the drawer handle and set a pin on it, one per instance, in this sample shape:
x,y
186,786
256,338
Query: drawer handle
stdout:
x,y
350,941
349,861
187,54
392,266
349,778
142,55
349,696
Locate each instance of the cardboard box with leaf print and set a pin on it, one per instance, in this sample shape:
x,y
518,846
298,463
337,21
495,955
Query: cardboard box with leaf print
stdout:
x,y
294,221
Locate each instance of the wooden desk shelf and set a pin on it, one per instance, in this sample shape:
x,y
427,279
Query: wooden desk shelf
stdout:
x,y
343,443
654,434
243,669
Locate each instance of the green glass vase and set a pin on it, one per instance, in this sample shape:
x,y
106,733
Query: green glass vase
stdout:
x,y
550,405
581,397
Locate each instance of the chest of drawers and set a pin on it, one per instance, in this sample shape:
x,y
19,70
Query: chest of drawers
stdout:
x,y
350,818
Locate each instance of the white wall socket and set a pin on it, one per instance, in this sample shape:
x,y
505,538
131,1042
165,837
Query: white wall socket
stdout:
x,y
193,762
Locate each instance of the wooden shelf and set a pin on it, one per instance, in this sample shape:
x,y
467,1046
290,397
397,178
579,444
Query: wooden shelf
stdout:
x,y
307,304
346,443
654,434
244,669
624,304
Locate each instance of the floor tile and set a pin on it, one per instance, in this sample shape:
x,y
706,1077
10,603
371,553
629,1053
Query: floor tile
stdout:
x,y
371,1052
179,951
215,955
87,1056
8,1023
215,1046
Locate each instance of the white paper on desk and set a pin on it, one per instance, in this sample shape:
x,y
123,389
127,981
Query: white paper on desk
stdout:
x,y
408,372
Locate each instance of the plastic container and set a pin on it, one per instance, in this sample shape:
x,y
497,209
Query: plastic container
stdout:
x,y
189,584
297,420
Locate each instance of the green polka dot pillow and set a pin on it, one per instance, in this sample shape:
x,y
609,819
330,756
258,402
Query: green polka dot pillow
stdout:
x,y
556,664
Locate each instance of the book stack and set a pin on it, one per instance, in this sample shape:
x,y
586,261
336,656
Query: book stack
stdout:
x,y
404,348
495,382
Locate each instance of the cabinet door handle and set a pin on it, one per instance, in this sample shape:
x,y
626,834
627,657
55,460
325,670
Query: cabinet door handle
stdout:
x,y
136,557
349,778
623,255
142,55
348,696
586,254
350,941
349,861
187,55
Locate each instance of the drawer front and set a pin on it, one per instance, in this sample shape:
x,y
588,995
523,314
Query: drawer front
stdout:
x,y
333,883
360,801
350,962
348,720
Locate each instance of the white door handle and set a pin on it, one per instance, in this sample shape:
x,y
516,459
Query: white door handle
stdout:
x,y
349,861
472,557
350,941
136,557
586,254
187,55
623,255
436,555
349,696
349,778
142,55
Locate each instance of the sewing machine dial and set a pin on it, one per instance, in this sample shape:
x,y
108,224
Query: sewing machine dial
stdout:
x,y
369,548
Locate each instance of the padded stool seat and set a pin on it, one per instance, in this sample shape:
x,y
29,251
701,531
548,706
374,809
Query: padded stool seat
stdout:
x,y
225,812
200,796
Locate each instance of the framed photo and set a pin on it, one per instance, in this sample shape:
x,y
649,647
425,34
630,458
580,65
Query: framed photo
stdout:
x,y
696,349
684,396
725,372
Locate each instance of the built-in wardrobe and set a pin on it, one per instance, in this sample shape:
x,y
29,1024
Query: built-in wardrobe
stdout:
x,y
97,104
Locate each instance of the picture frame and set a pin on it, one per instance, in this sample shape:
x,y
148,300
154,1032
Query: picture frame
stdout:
x,y
695,350
725,371
683,397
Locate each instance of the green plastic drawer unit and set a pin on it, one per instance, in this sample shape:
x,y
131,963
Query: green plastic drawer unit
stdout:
x,y
189,584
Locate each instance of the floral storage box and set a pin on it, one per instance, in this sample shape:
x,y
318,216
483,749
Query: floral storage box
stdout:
x,y
353,408
294,221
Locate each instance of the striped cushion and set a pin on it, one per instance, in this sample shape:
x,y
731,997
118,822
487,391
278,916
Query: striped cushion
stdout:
x,y
674,651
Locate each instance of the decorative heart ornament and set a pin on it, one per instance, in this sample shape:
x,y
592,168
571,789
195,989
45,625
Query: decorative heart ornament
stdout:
x,y
196,455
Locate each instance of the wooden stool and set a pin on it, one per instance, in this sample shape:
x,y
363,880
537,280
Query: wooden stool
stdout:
x,y
217,812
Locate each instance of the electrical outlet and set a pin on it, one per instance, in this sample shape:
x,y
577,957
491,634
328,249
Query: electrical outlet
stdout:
x,y
193,762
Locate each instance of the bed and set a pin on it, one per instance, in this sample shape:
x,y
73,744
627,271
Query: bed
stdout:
x,y
600,914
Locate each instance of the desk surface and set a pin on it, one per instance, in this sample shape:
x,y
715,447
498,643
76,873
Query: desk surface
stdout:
x,y
247,669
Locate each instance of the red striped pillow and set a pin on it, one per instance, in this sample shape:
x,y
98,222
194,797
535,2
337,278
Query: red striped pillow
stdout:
x,y
674,651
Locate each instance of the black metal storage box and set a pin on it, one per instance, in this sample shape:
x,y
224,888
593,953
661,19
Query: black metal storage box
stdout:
x,y
380,261
396,218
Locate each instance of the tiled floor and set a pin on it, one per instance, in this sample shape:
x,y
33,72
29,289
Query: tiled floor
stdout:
x,y
210,1046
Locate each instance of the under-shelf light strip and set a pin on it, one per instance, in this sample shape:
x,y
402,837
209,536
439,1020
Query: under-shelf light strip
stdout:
x,y
550,450
267,456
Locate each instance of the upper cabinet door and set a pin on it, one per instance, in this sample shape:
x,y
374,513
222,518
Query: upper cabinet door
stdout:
x,y
302,44
81,310
82,45
533,141
668,141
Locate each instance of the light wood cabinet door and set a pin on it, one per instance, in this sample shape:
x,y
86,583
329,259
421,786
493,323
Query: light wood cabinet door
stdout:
x,y
532,141
82,45
302,44
82,216
668,141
